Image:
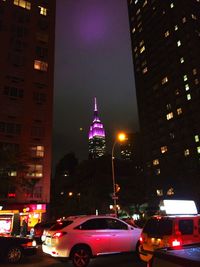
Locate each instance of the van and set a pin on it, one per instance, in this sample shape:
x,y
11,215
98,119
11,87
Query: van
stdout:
x,y
170,230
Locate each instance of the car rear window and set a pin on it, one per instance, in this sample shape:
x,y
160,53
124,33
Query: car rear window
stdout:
x,y
158,227
60,225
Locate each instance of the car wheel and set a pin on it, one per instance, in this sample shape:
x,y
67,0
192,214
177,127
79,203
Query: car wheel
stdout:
x,y
80,256
14,255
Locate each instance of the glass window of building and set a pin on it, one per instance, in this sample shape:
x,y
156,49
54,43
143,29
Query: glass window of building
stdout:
x,y
184,19
163,149
187,87
145,70
198,149
186,152
166,33
142,49
194,71
196,138
179,111
182,60
179,43
156,162
164,80
169,116
189,97
176,27
172,5
185,78
43,10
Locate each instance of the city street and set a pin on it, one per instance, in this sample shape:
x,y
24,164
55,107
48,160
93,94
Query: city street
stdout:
x,y
43,260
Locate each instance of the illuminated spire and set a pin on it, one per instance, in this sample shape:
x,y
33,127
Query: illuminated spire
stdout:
x,y
96,135
95,104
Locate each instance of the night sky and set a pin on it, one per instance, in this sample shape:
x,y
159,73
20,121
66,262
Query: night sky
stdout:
x,y
92,58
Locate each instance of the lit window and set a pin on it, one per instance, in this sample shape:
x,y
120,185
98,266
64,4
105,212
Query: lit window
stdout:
x,y
194,17
169,116
194,71
181,60
198,149
189,96
184,19
133,30
138,11
13,173
196,81
40,65
37,151
35,170
166,33
185,78
145,70
159,192
196,138
43,10
187,87
23,4
176,27
172,135
179,111
163,149
168,106
164,80
145,3
142,49
156,162
142,42
179,43
171,5
157,171
186,152
170,191
177,92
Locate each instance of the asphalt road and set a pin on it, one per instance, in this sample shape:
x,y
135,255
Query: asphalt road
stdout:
x,y
41,260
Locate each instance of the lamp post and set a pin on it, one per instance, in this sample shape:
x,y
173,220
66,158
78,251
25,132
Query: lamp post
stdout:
x,y
120,138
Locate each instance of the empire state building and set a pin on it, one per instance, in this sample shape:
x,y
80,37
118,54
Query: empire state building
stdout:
x,y
97,144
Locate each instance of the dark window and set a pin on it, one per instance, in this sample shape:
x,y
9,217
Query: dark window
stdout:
x,y
186,227
115,224
94,224
61,225
158,227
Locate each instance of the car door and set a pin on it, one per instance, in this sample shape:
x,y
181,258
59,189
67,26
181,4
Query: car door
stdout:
x,y
94,233
121,236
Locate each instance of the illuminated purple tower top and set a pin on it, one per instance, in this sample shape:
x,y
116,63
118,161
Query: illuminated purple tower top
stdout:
x,y
96,136
96,128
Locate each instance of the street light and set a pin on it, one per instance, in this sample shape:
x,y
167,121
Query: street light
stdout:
x,y
121,137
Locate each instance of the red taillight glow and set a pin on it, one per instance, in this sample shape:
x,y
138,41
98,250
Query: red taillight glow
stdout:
x,y
58,234
141,239
176,243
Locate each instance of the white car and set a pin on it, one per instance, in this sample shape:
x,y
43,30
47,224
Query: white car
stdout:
x,y
83,237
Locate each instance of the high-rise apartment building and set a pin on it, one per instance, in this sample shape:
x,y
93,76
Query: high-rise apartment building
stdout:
x,y
97,143
27,34
165,39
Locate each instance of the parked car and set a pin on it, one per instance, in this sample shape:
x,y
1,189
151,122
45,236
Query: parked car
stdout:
x,y
82,237
12,249
39,229
170,229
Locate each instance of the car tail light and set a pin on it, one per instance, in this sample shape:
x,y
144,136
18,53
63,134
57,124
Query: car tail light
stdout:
x,y
177,242
30,244
141,239
58,234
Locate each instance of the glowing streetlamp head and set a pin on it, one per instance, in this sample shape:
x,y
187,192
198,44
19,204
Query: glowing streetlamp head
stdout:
x,y
121,137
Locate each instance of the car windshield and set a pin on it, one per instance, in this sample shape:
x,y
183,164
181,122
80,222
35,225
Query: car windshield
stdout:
x,y
158,227
61,224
